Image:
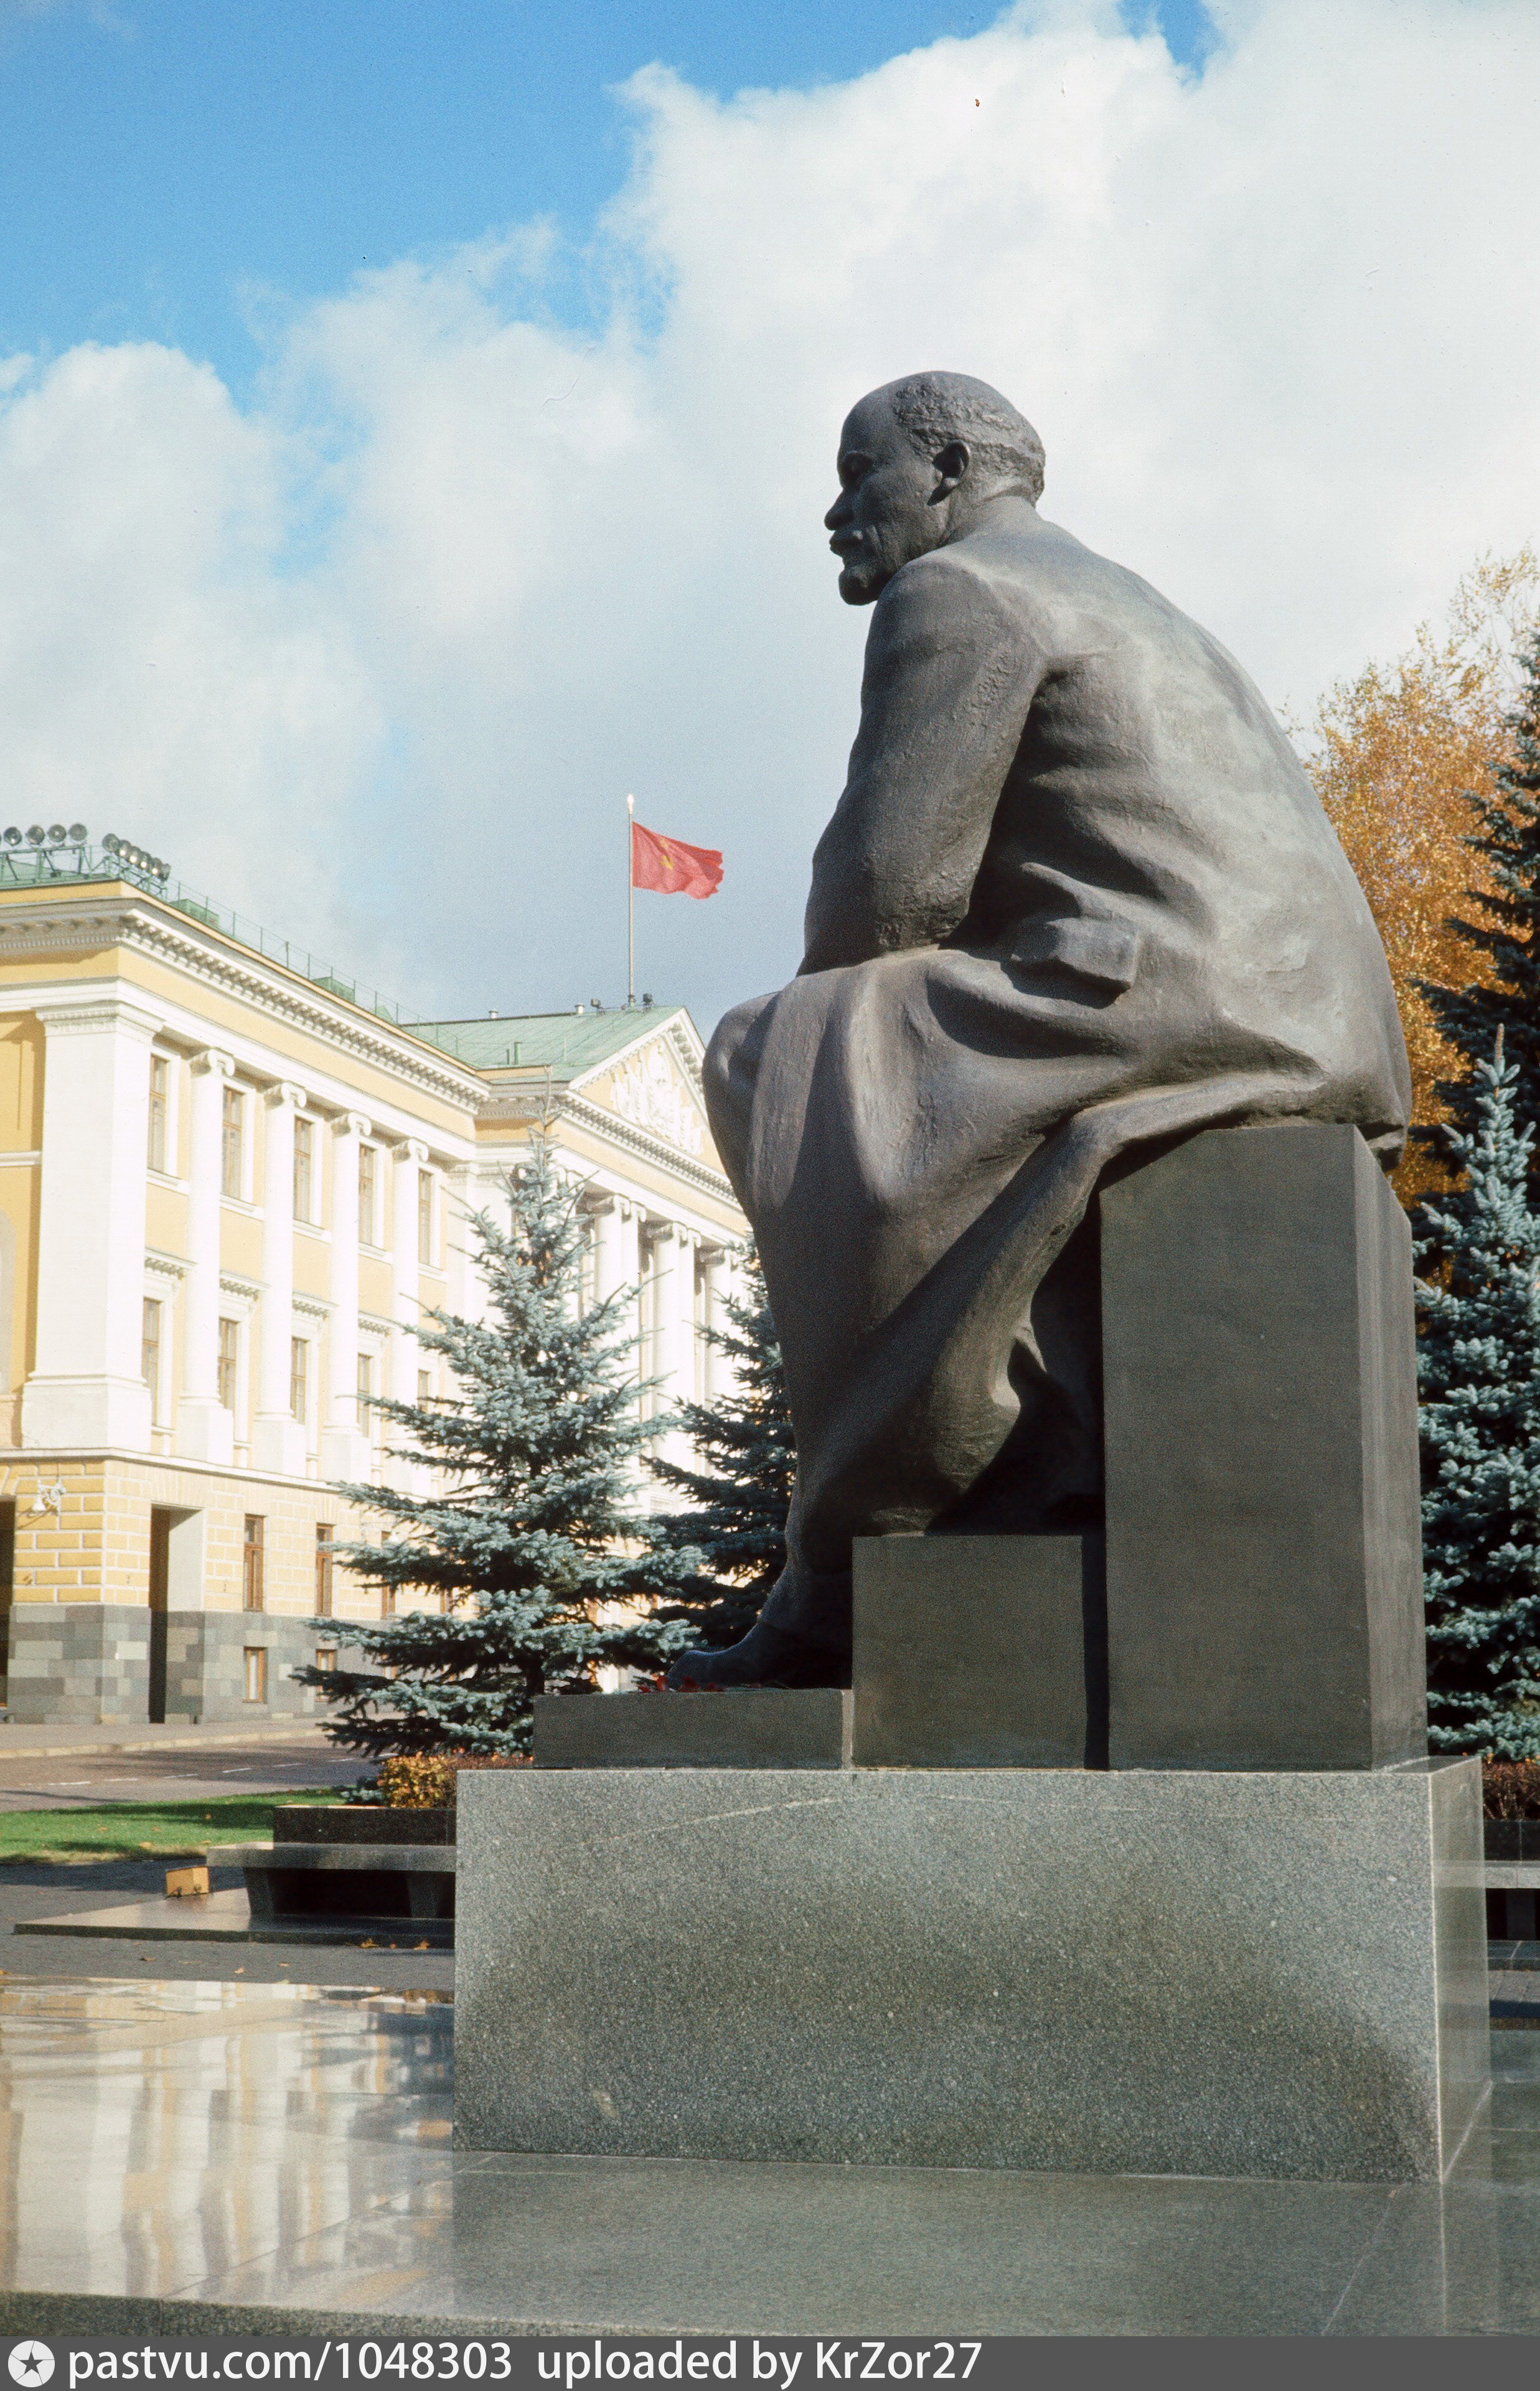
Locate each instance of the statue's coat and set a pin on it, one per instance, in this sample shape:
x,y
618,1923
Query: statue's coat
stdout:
x,y
1077,896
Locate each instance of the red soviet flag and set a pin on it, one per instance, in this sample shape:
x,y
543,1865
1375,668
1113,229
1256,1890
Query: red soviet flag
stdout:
x,y
670,867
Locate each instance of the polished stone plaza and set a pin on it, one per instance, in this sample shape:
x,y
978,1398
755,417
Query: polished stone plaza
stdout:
x,y
194,2156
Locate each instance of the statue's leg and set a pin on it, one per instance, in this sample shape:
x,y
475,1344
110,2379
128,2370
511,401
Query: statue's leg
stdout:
x,y
879,1254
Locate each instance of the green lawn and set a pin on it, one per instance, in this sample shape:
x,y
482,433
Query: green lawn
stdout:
x,y
132,1829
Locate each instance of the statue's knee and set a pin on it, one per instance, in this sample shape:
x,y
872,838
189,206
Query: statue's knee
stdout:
x,y
731,1058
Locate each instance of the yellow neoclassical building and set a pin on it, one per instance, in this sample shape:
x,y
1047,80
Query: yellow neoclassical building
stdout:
x,y
228,1180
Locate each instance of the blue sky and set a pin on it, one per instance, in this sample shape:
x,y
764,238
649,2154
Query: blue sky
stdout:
x,y
416,416
171,168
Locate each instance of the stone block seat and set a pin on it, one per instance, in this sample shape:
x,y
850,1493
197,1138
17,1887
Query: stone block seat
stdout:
x,y
371,1867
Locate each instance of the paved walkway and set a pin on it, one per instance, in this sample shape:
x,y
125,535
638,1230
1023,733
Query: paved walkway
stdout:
x,y
173,1764
193,2158
118,1734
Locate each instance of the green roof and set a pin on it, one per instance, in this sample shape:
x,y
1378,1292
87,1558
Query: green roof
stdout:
x,y
563,1043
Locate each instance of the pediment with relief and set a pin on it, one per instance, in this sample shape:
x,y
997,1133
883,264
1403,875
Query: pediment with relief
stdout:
x,y
649,1089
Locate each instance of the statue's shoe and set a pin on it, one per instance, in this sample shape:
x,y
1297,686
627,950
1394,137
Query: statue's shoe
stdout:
x,y
767,1656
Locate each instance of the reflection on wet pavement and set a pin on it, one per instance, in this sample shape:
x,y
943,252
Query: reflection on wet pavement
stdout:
x,y
158,2134
214,2155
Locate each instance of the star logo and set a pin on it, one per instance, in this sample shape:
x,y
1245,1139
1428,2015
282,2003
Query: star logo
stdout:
x,y
31,2362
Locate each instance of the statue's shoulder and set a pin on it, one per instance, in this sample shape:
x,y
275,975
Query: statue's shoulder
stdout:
x,y
984,581
1023,566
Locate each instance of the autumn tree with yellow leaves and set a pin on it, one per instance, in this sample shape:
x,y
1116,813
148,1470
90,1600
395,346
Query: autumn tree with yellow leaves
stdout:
x,y
1397,755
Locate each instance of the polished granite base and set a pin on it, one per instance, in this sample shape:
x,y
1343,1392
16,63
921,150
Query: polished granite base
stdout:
x,y
185,2158
1145,1971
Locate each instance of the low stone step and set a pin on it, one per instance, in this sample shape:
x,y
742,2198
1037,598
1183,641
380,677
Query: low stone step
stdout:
x,y
382,1881
757,1726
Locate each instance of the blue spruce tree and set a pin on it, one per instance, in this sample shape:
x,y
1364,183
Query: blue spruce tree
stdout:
x,y
729,1546
529,1533
1479,1372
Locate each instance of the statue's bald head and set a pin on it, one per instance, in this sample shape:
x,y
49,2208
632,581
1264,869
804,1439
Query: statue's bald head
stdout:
x,y
937,409
918,459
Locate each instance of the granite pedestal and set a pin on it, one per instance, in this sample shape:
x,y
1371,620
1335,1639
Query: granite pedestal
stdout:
x,y
1257,1973
1136,1862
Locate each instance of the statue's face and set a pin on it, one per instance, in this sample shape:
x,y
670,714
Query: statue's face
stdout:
x,y
887,511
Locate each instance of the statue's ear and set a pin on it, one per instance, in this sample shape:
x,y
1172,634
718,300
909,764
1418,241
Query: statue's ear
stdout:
x,y
951,463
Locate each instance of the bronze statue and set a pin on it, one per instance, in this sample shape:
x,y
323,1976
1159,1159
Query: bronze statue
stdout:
x,y
1077,899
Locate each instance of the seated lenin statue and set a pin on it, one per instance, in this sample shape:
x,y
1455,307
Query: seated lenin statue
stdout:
x,y
1078,900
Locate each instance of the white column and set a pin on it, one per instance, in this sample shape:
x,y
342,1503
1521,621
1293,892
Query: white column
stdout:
x,y
205,1431
85,1387
669,1257
344,1447
404,1363
715,1365
685,1297
603,1211
277,1438
462,1286
628,1265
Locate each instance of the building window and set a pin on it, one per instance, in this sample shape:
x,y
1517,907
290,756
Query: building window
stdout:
x,y
326,1658
425,1217
424,1387
150,1354
299,1378
229,1359
256,1673
365,1391
366,1194
304,1163
251,1564
159,1071
387,1607
232,1158
324,1539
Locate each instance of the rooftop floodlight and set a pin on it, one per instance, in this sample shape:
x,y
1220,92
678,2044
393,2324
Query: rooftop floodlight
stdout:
x,y
38,835
109,845
163,871
78,834
13,836
57,834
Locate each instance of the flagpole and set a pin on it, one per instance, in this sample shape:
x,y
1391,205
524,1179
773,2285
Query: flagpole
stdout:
x,y
630,907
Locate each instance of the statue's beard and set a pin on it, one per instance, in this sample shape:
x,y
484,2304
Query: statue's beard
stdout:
x,y
862,577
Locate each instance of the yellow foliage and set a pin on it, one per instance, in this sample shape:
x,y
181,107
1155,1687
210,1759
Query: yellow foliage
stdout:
x,y
1393,756
426,1780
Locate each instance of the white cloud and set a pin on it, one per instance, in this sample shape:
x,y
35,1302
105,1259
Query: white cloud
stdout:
x,y
381,659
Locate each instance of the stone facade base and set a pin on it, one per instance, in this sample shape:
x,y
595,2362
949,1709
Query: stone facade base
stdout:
x,y
98,1662
76,1663
1165,1972
206,1666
